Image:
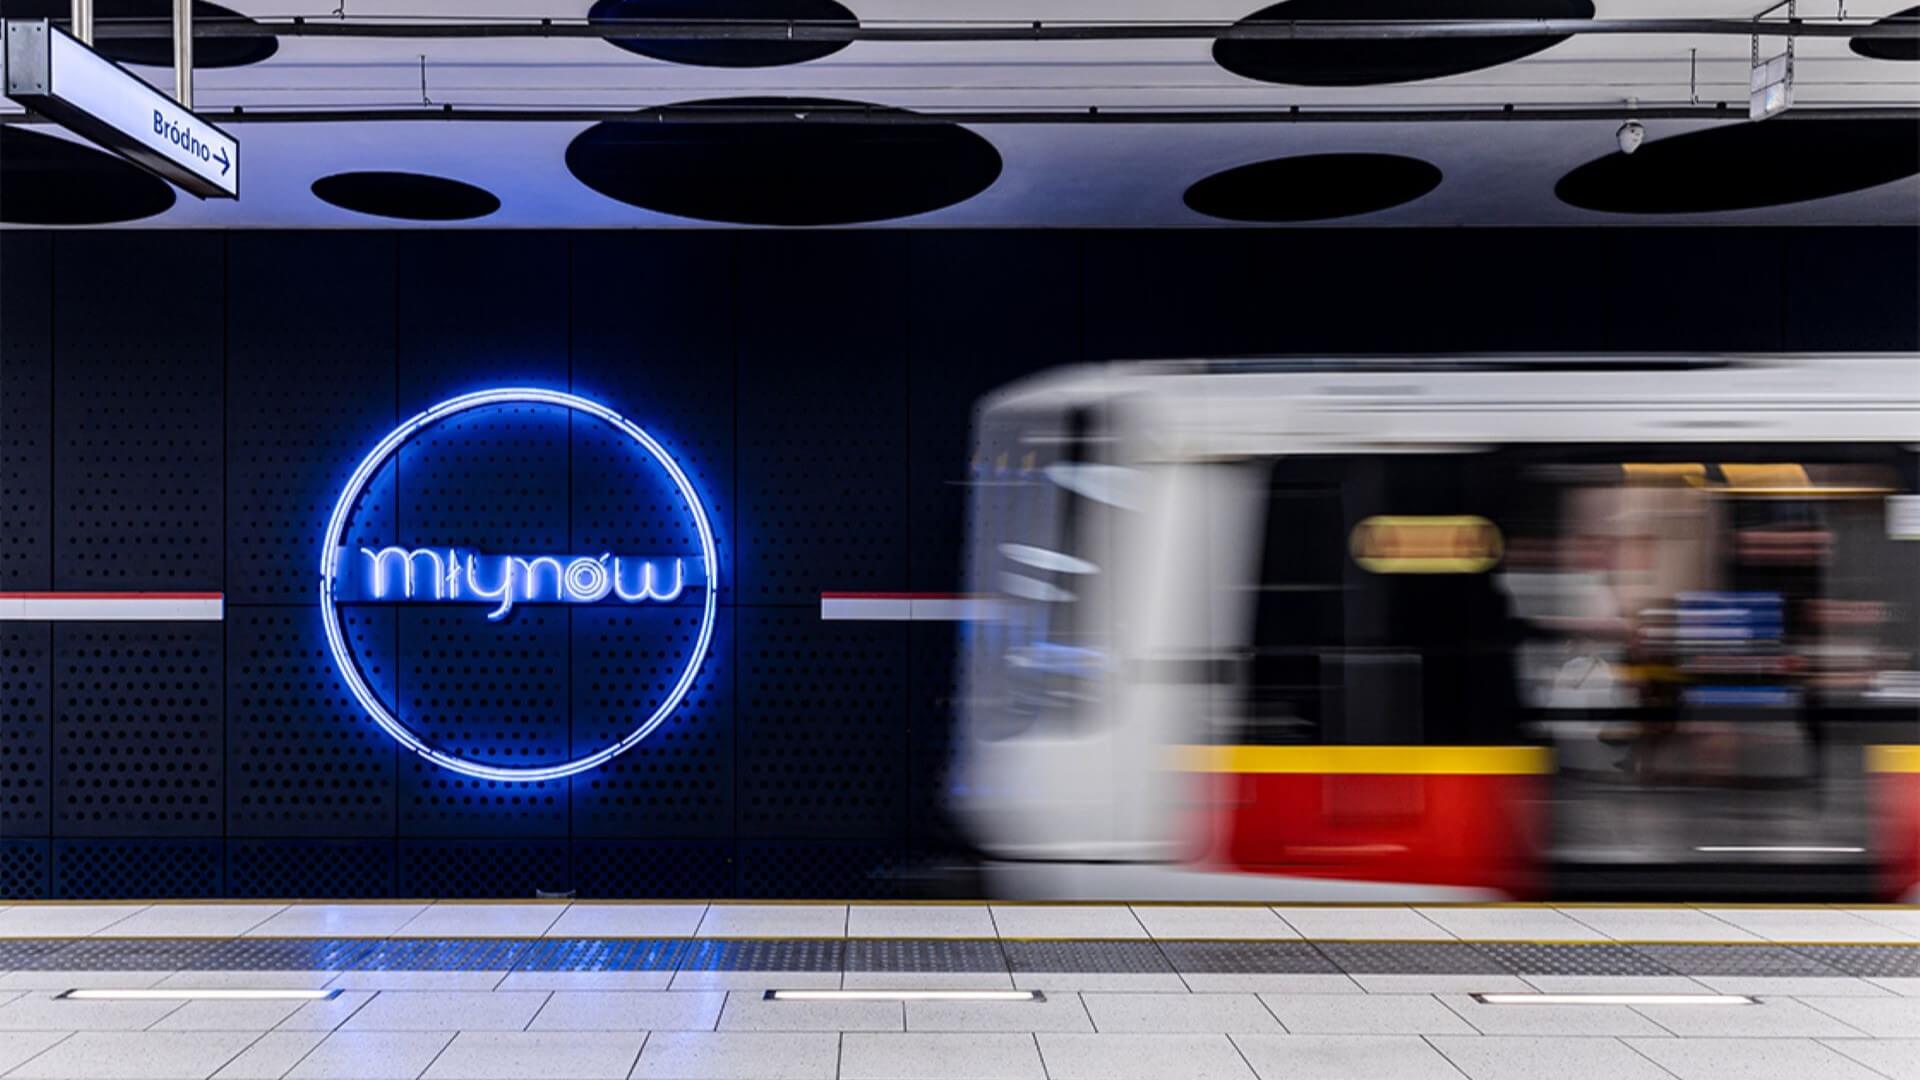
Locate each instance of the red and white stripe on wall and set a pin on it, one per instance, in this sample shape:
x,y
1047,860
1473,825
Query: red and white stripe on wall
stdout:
x,y
113,606
904,606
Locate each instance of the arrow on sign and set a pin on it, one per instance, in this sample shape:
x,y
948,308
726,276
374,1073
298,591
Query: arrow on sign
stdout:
x,y
224,163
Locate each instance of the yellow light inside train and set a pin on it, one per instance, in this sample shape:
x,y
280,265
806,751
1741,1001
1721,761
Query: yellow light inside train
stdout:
x,y
1462,544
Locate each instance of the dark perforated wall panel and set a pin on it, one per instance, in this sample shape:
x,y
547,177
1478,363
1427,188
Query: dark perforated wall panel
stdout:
x,y
178,413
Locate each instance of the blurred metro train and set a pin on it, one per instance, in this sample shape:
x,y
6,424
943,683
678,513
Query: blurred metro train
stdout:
x,y
1447,628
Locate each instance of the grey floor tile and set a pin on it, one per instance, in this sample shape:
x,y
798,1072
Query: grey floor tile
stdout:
x,y
1532,1058
1510,924
755,980
1221,921
1103,921
920,921
587,980
1059,1012
326,1015
749,1011
1807,924
452,919
1369,1014
1613,1020
18,1046
774,921
1902,987
1344,1057
1751,1059
1792,986
1904,918
407,1010
1362,924
434,981
270,1056
136,1055
338,920
195,920
1442,984
77,980
1165,982
661,1010
1143,1057
545,1055
738,1055
1658,924
63,920
916,1056
41,1011
204,1015
1896,1059
372,1055
629,920
1277,983
1882,1018
1772,1018
1182,1013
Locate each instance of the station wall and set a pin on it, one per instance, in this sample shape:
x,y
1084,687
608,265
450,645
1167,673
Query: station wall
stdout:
x,y
178,411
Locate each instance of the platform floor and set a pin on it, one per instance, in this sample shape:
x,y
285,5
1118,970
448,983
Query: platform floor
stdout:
x,y
674,991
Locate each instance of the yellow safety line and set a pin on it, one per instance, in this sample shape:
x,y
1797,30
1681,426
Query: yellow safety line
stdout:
x,y
1369,760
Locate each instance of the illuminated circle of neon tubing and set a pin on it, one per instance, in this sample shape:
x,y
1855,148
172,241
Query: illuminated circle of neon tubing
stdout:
x,y
336,539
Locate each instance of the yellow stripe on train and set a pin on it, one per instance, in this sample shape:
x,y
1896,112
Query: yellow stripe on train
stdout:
x,y
1370,760
1896,759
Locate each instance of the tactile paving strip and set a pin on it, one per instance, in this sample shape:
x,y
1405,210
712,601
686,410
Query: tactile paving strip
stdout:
x,y
441,954
1247,958
1128,957
1410,958
128,954
285,954
1529,959
1867,961
20,954
599,954
930,955
765,955
1768,960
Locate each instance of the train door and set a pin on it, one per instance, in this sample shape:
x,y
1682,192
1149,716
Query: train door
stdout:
x,y
1714,640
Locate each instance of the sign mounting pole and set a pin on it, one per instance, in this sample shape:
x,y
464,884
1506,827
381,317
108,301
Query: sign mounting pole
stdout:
x,y
83,21
182,52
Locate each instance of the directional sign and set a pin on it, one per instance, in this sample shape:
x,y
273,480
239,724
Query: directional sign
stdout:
x,y
52,73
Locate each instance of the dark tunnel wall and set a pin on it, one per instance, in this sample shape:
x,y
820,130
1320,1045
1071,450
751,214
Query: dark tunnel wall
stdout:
x,y
178,410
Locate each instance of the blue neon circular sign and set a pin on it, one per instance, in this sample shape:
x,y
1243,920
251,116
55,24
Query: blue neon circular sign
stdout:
x,y
436,574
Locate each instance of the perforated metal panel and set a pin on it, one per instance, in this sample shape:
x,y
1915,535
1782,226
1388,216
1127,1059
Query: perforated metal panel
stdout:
x,y
803,870
26,732
678,782
25,870
660,869
822,498
302,758
138,415
822,745
477,310
930,732
137,730
353,869
26,410
150,869
483,868
310,389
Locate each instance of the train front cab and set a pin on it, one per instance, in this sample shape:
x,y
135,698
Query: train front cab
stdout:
x,y
1476,669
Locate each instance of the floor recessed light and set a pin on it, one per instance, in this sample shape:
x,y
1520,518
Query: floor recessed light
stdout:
x,y
186,993
905,995
1614,999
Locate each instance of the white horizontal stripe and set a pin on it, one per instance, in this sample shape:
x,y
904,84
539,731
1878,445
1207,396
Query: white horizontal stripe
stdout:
x,y
196,609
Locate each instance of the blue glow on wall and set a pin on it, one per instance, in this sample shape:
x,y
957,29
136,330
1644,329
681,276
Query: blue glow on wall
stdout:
x,y
457,575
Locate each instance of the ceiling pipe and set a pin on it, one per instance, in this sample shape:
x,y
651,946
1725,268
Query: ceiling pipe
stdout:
x,y
997,31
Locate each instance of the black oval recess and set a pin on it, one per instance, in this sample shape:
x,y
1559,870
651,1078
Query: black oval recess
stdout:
x,y
1366,62
156,51
46,180
1905,48
1312,187
406,195
785,171
1741,166
710,52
